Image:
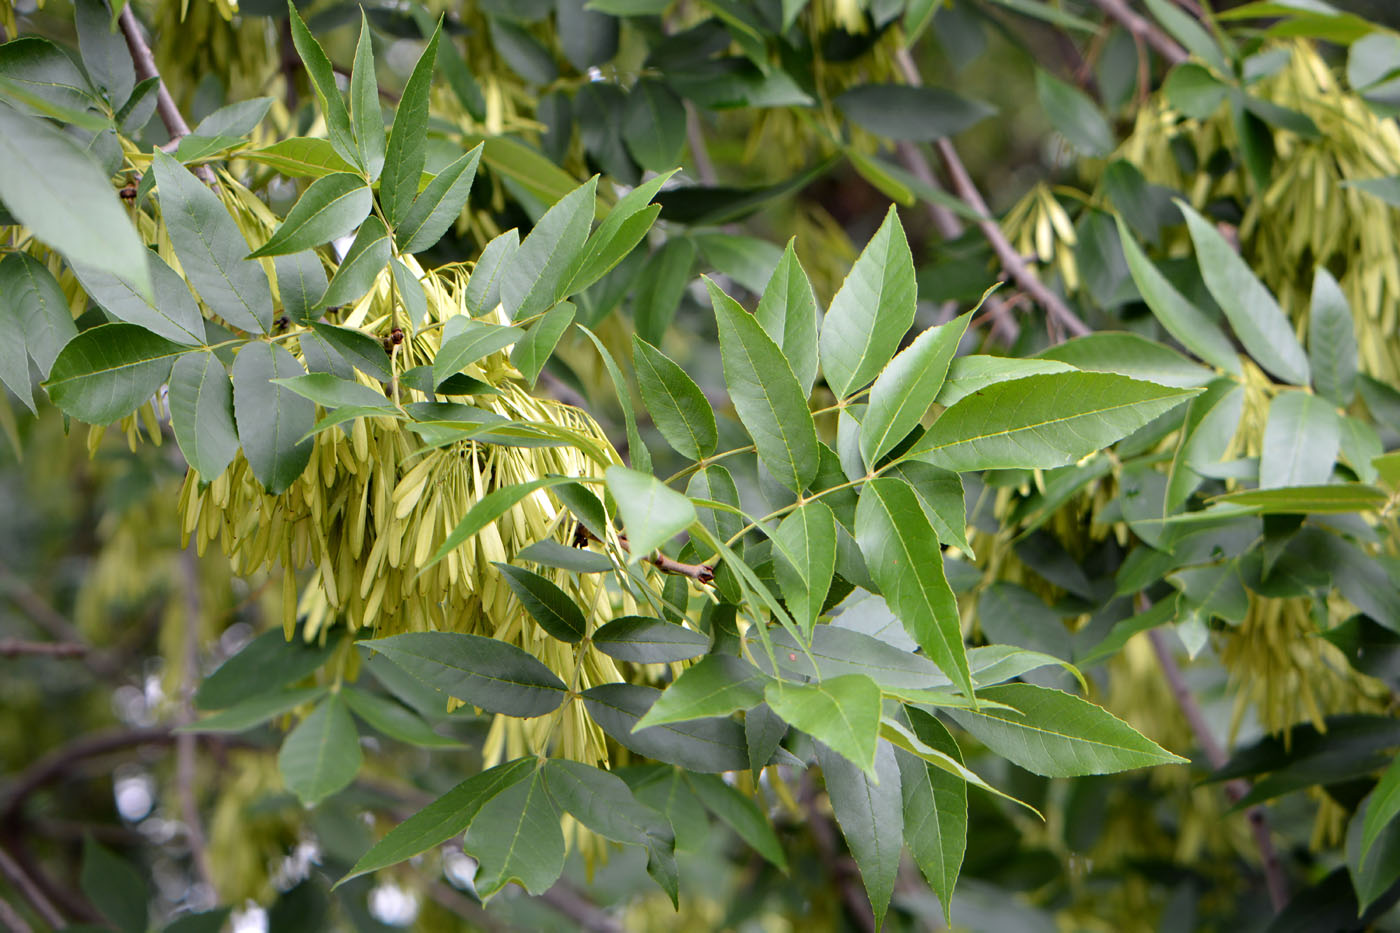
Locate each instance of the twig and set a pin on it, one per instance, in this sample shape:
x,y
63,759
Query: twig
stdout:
x,y
1234,790
11,920
843,868
14,648
465,908
700,573
1143,28
572,903
36,608
186,765
58,762
1011,261
22,883
145,64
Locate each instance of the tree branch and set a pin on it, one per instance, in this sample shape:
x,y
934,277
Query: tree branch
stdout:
x,y
1011,262
57,763
1144,29
1234,790
700,573
145,64
36,608
569,901
26,886
15,648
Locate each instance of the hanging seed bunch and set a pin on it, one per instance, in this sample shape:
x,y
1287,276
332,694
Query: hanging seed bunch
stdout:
x,y
1041,229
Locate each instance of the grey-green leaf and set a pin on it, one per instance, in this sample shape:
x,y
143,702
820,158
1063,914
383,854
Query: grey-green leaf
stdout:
x,y
516,837
174,314
534,350
935,809
36,306
366,119
211,249
649,641
1331,340
1074,115
907,387
322,754
272,420
438,206
536,275
201,409
106,372
56,190
805,560
322,75
1261,325
1301,439
486,672
678,408
301,280
408,140
329,209
706,745
366,258
871,312
1054,734
917,114
653,125
870,813
766,394
474,342
483,290
550,606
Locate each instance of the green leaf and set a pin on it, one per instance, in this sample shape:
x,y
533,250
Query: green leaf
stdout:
x,y
603,802
1300,500
787,311
114,887
585,37
1301,439
871,312
516,837
332,392
1331,340
1193,90
394,720
236,119
1059,735
410,291
483,292
366,258
619,233
766,394
104,52
1129,355
533,351
300,156
57,191
404,159
842,712
649,641
940,492
487,509
1043,421
332,206
442,819
870,812
653,125
476,341
550,553
322,754
652,513
805,560
201,412
917,114
366,119
273,421
39,69
264,665
1189,33
706,745
435,210
105,373
1180,317
935,809
356,347
35,305
901,551
1381,808
486,672
968,374
538,272
678,408
322,74
716,685
255,710
547,604
1375,873
741,815
907,387
212,251
173,315
301,279
660,286
1074,115
1254,314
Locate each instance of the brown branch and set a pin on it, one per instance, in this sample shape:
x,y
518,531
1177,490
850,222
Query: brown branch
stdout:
x,y
145,64
1143,28
466,909
58,762
36,608
1011,262
1234,790
572,903
700,573
11,920
14,648
25,885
